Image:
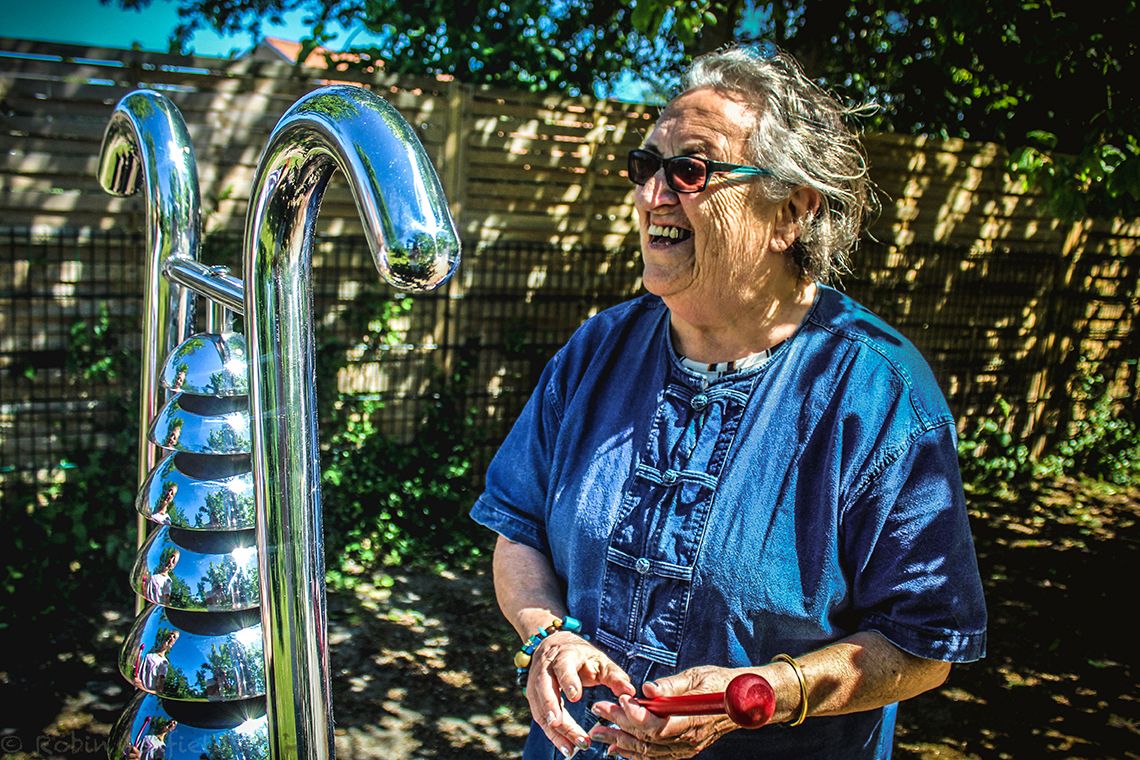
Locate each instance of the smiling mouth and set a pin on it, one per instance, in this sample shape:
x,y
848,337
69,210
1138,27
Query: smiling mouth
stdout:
x,y
665,235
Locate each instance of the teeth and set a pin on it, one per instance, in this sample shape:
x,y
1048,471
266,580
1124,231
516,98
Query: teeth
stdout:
x,y
656,230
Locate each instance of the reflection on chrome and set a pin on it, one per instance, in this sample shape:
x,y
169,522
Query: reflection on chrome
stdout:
x,y
208,365
415,246
198,571
146,144
195,656
151,728
199,492
203,424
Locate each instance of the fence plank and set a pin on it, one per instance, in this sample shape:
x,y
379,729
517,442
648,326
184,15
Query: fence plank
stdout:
x,y
1000,296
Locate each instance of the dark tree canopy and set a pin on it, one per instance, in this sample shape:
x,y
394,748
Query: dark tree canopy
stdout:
x,y
1048,79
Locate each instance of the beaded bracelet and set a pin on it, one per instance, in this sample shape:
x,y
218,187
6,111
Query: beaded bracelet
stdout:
x,y
522,657
803,711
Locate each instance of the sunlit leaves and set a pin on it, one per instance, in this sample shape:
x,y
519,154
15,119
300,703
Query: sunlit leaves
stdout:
x,y
981,71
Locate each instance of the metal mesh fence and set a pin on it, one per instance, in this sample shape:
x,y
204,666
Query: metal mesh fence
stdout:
x,y
989,323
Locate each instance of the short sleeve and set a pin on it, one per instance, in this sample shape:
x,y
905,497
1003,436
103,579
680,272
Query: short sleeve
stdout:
x,y
513,503
908,547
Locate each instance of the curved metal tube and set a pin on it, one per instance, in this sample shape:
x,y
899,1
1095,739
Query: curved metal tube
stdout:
x,y
146,141
415,246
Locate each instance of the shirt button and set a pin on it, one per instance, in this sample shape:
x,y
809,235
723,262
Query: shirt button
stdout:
x,y
700,401
641,566
669,477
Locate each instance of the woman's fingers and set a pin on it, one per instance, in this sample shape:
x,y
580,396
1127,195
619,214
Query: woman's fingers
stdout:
x,y
602,671
566,735
564,665
627,745
547,710
634,732
554,672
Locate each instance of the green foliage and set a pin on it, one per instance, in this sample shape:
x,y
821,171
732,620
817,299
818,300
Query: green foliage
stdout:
x,y
386,500
531,44
992,460
1004,72
402,502
1102,179
1102,442
392,499
71,536
92,354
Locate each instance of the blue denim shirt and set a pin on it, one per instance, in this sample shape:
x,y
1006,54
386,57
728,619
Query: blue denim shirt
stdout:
x,y
774,510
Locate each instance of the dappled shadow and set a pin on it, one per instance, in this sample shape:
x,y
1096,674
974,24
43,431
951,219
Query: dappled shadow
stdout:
x,y
1060,677
421,662
1008,325
422,669
60,684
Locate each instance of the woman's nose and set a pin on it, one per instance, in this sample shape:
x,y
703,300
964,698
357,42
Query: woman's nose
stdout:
x,y
655,192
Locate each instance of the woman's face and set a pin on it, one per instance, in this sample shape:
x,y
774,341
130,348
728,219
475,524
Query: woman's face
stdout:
x,y
718,257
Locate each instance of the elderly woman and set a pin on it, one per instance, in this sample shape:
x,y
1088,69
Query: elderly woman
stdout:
x,y
743,470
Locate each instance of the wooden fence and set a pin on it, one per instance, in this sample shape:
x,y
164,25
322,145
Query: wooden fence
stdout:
x,y
1001,297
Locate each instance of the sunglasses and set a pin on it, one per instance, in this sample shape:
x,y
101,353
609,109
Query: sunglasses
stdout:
x,y
684,174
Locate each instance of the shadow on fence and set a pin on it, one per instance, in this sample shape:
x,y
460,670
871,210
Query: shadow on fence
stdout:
x,y
1008,324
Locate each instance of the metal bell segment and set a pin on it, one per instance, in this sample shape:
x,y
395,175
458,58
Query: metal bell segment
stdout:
x,y
154,728
198,571
195,656
203,424
198,492
208,365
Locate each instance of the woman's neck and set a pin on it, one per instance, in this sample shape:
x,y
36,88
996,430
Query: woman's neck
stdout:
x,y
755,326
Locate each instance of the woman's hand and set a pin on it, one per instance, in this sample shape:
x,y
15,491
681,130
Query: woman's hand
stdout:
x,y
563,664
641,735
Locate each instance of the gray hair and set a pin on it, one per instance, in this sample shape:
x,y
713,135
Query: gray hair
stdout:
x,y
803,139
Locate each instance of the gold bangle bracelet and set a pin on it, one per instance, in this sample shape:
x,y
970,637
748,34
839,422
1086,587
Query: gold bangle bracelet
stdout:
x,y
803,687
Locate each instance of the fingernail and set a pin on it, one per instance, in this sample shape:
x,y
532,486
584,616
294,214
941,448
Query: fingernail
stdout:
x,y
550,716
582,742
564,750
594,709
571,693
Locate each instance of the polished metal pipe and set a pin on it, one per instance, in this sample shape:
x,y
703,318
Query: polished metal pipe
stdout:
x,y
146,141
211,281
415,246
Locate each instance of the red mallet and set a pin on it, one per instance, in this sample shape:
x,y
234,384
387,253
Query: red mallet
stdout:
x,y
749,701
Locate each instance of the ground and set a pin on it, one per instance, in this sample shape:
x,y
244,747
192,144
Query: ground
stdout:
x,y
421,660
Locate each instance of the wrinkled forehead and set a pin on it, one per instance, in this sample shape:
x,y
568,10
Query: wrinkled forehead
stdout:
x,y
704,118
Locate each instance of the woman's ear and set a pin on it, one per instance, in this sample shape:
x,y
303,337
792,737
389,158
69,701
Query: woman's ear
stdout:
x,y
802,204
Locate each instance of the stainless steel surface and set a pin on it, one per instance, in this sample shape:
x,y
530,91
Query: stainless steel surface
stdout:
x,y
195,656
203,424
156,728
146,143
213,282
415,246
198,571
208,364
219,319
199,492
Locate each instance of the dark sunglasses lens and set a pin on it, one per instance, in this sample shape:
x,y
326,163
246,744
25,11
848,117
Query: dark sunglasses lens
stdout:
x,y
642,166
687,175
